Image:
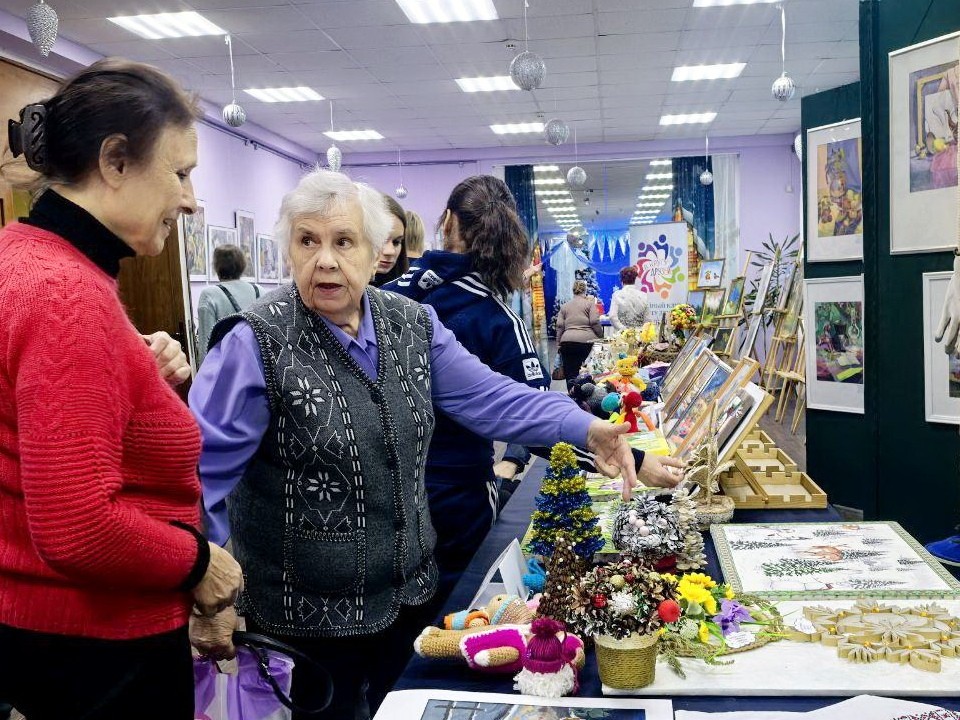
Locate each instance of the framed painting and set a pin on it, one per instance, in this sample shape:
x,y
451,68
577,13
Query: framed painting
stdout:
x,y
268,260
835,192
833,319
217,236
246,240
695,300
941,371
681,364
694,399
723,340
193,230
711,273
923,146
756,310
734,302
794,305
712,305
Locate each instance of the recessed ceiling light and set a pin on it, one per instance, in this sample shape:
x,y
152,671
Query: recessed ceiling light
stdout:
x,y
284,94
442,11
348,135
548,181
654,188
168,25
707,72
514,128
554,193
554,201
688,118
721,3
486,84
660,163
659,176
545,168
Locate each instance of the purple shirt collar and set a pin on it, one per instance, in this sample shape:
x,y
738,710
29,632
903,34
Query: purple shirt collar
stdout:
x,y
363,347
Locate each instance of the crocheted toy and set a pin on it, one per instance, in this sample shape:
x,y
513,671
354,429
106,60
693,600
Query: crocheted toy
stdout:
x,y
631,403
501,610
498,649
549,664
625,377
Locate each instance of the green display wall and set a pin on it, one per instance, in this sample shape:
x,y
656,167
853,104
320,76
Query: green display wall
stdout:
x,y
890,461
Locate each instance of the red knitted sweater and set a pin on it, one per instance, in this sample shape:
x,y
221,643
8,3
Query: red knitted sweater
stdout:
x,y
97,455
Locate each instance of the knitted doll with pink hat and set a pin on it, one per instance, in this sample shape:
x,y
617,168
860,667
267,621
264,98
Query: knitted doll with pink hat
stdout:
x,y
550,663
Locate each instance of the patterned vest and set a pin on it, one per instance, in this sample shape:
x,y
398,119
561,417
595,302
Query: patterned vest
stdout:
x,y
330,521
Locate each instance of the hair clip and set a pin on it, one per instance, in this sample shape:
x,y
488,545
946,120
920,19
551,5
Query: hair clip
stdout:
x,y
28,137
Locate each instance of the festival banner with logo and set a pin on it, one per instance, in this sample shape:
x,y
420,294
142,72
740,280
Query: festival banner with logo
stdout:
x,y
660,255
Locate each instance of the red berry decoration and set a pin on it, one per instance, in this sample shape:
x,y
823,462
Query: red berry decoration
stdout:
x,y
669,611
599,600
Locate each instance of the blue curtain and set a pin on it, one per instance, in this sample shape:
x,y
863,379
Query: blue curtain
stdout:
x,y
519,178
696,199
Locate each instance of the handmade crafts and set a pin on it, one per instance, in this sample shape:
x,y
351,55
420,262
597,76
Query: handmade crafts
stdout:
x,y
869,632
502,610
550,666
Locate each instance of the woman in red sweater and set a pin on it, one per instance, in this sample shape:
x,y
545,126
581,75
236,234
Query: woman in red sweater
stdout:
x,y
100,556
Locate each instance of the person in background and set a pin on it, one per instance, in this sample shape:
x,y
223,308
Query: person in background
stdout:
x,y
413,238
230,295
628,306
392,261
578,326
101,559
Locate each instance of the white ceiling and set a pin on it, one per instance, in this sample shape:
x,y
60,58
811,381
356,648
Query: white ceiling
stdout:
x,y
608,64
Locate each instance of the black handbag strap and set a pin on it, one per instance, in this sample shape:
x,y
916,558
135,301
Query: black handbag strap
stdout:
x,y
259,644
236,305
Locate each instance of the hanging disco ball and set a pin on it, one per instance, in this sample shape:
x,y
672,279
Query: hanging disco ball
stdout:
x,y
798,146
527,70
401,191
42,24
556,131
783,88
234,115
334,158
576,236
577,176
706,178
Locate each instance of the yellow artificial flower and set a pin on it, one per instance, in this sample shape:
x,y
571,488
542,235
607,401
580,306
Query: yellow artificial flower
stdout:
x,y
710,604
728,593
662,631
700,579
703,635
672,579
691,592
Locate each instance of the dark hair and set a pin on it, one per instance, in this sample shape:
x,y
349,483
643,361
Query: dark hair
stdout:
x,y
229,262
491,231
403,263
111,97
628,275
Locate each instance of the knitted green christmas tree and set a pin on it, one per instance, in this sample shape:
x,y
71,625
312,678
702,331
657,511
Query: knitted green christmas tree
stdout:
x,y
563,505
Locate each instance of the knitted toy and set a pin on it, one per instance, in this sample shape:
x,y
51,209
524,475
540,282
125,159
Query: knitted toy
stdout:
x,y
496,649
631,402
625,377
549,665
502,610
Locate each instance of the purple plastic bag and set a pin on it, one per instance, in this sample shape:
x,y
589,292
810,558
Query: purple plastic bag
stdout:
x,y
245,695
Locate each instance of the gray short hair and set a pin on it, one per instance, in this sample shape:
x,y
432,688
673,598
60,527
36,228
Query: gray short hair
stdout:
x,y
319,191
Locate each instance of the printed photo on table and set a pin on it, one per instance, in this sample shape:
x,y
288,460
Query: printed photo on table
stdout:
x,y
467,710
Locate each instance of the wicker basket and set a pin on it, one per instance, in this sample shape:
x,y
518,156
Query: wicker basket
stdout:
x,y
650,355
720,510
627,664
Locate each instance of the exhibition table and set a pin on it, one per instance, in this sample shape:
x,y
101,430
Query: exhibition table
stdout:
x,y
425,674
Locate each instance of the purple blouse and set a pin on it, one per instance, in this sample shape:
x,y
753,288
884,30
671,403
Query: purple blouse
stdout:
x,y
229,400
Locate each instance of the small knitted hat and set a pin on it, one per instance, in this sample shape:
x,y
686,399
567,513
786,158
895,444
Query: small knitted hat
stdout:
x,y
548,666
544,650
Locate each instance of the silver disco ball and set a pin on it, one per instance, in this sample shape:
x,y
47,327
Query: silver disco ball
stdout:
x,y
577,176
783,88
234,115
798,146
334,158
556,131
42,24
527,70
576,236
401,191
706,178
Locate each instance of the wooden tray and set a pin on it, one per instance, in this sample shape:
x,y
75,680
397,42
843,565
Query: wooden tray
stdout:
x,y
745,494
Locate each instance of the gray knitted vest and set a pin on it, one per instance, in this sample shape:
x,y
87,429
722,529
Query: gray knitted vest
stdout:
x,y
330,521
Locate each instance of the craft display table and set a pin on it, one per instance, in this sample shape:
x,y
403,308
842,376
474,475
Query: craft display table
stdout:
x,y
426,674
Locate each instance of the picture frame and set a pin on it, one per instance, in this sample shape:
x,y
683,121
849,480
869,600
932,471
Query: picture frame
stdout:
x,y
193,231
269,270
712,305
218,235
681,364
833,310
756,310
693,400
247,242
733,305
724,339
941,372
695,300
923,152
834,179
711,273
793,309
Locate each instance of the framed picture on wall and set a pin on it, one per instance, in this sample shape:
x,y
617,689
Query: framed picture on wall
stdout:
x,y
246,239
193,230
923,146
711,273
217,236
941,371
833,319
835,192
268,259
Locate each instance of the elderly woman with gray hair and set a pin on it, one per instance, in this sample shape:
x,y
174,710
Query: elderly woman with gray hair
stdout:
x,y
317,408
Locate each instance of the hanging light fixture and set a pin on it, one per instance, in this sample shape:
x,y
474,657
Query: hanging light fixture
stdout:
x,y
401,191
783,87
556,131
576,176
334,156
527,69
42,24
233,114
706,177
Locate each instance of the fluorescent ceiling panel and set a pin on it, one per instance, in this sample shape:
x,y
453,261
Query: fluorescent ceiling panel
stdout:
x,y
553,193
486,84
549,181
284,94
707,72
654,188
348,135
546,168
422,12
660,176
168,25
515,128
660,163
688,118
